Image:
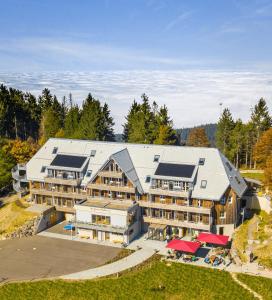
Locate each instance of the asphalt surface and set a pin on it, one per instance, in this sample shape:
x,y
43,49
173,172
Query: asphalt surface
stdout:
x,y
42,257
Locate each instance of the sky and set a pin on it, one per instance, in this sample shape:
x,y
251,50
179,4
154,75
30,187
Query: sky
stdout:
x,y
189,55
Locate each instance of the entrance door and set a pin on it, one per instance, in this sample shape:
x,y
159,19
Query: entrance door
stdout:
x,y
107,236
95,234
53,218
221,230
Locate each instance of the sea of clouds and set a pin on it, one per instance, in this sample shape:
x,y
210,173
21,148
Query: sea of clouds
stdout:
x,y
193,97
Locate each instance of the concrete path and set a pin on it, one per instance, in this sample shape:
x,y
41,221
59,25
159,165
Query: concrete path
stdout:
x,y
246,287
128,262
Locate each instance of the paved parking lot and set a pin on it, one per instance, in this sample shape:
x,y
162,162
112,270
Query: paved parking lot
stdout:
x,y
43,257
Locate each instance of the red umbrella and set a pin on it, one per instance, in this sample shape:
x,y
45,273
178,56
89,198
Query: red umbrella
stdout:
x,y
184,246
211,238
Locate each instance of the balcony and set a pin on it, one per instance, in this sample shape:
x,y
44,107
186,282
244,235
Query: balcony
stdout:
x,y
175,207
101,227
65,209
108,187
111,174
79,196
186,224
63,181
167,192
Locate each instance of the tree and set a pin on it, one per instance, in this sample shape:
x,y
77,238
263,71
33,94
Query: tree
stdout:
x,y
95,121
198,138
263,148
106,124
130,119
7,161
20,150
224,131
50,125
261,120
45,100
268,172
237,141
71,121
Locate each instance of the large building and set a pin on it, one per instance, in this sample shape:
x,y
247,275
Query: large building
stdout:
x,y
115,191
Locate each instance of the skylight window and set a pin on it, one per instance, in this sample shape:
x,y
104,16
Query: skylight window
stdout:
x,y
156,158
89,173
201,161
93,152
43,169
203,184
55,150
228,165
147,179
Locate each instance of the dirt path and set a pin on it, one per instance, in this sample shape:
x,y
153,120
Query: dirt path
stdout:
x,y
246,287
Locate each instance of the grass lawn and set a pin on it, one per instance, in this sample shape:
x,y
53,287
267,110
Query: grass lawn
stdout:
x,y
13,215
261,285
154,280
257,176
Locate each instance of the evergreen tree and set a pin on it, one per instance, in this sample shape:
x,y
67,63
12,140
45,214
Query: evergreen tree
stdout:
x,y
261,120
130,118
224,131
237,142
106,124
45,100
71,122
165,134
198,138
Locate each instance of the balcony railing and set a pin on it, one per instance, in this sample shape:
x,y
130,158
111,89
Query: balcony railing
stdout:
x,y
176,207
61,180
71,195
111,174
111,187
168,192
171,222
102,227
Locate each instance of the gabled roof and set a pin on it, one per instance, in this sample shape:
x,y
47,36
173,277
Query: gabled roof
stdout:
x,y
123,160
138,161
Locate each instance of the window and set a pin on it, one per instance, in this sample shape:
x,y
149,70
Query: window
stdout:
x,y
162,198
237,180
89,173
55,150
147,179
201,161
177,184
43,169
93,152
203,184
222,215
228,165
223,200
156,158
165,183
230,199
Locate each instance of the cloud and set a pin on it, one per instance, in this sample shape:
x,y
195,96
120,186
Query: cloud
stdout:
x,y
180,18
192,97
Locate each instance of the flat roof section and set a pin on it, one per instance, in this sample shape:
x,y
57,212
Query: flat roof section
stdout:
x,y
114,204
175,170
69,161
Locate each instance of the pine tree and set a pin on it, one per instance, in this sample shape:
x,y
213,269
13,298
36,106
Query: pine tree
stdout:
x,y
127,127
165,134
106,124
45,100
71,122
198,138
224,131
237,142
261,120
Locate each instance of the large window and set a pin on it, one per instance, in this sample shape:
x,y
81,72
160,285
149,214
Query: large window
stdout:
x,y
104,220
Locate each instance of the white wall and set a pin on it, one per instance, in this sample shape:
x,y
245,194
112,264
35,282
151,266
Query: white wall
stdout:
x,y
258,203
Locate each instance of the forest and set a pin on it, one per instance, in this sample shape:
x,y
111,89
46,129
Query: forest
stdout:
x,y
27,122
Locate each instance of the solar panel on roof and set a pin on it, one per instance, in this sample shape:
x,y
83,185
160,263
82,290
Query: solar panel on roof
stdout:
x,y
69,161
175,170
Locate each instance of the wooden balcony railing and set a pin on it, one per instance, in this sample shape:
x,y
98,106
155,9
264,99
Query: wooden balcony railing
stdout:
x,y
175,207
186,224
108,187
63,181
111,174
71,195
167,192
